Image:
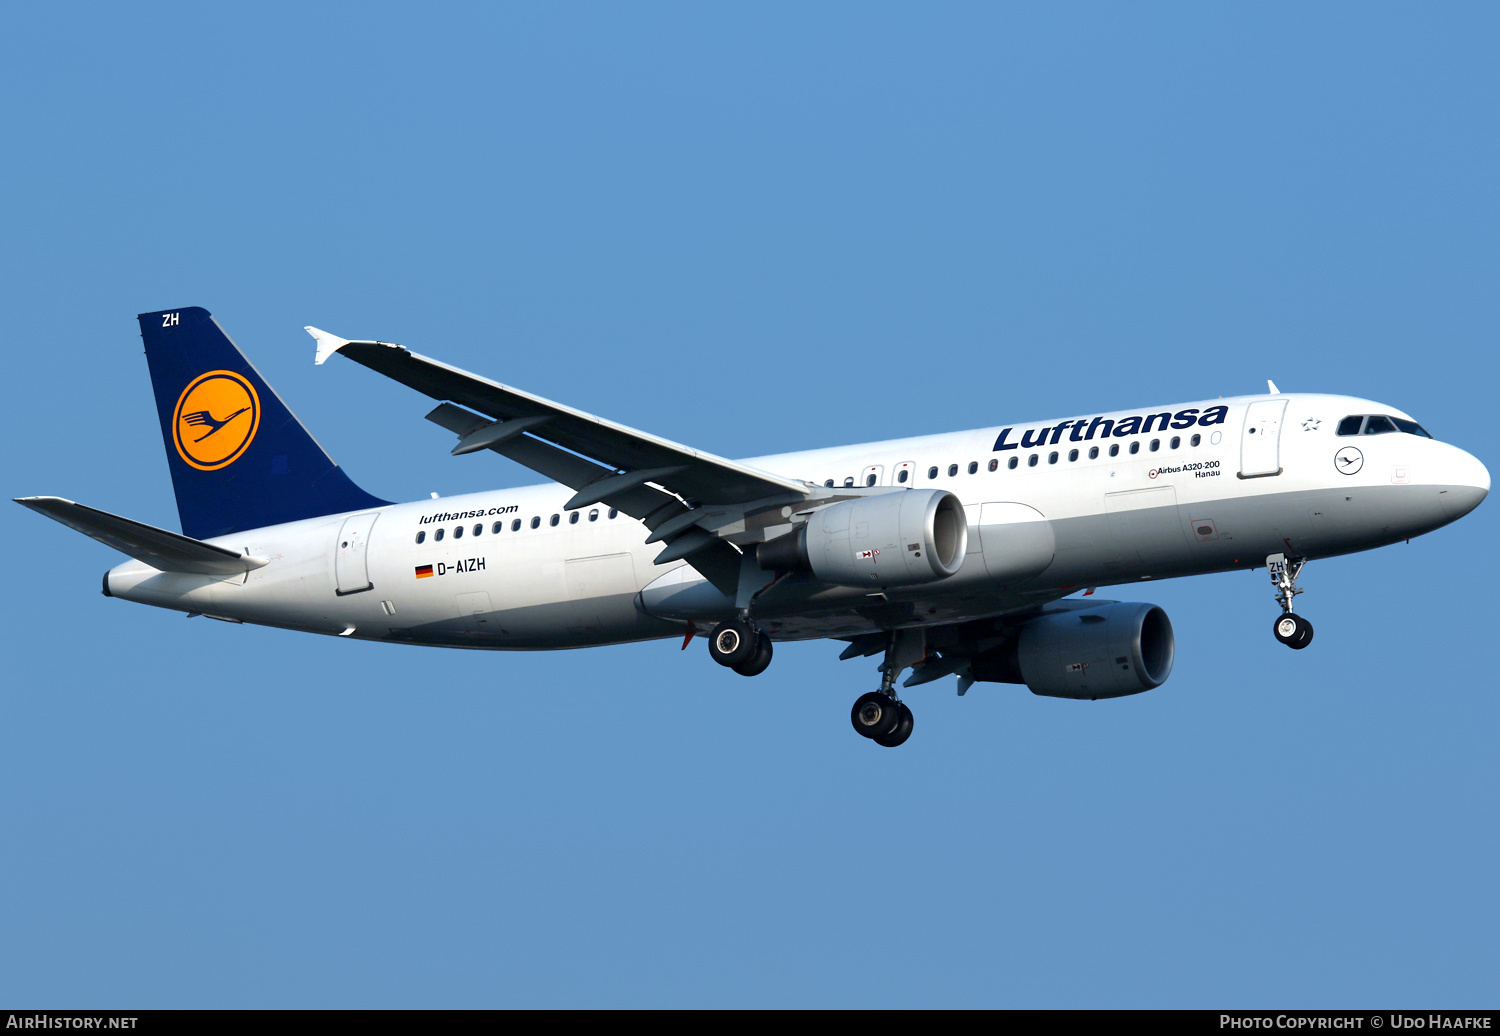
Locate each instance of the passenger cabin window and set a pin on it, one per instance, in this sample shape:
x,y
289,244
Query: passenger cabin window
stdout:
x,y
829,483
1195,440
613,511
1052,457
1031,461
1012,463
901,475
594,515
1176,441
573,518
553,521
1072,455
478,528
536,523
932,472
1155,445
973,466
437,535
421,535
869,480
994,465
952,470
515,525
1135,447
458,532
497,528
1093,452
1114,449
848,481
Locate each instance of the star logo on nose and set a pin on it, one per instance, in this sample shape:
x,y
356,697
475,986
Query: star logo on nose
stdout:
x,y
1311,424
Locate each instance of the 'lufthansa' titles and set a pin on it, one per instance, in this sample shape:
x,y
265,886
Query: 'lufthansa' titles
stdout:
x,y
1085,429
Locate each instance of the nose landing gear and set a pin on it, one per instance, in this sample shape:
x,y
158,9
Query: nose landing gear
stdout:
x,y
1292,630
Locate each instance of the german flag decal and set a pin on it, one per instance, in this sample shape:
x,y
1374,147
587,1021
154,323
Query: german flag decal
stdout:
x,y
424,571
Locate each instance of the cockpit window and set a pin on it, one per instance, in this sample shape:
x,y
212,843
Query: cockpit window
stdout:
x,y
1411,427
1380,424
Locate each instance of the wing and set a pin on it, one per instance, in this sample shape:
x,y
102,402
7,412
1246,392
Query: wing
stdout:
x,y
696,503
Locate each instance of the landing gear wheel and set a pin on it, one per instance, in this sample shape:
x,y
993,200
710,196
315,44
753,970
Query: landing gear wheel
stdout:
x,y
875,715
1294,631
903,728
759,660
733,643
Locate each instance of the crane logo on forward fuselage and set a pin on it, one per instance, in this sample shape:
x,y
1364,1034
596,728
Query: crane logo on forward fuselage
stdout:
x,y
216,419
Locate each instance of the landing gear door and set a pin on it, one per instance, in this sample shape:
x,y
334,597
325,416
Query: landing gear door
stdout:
x,y
1260,443
350,564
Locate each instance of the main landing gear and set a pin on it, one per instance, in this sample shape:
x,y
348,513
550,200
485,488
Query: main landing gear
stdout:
x,y
880,715
1292,630
740,645
882,718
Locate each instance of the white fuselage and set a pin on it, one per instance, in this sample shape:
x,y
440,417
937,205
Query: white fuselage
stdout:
x,y
525,573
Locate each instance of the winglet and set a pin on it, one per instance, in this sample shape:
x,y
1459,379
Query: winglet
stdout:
x,y
1269,384
327,344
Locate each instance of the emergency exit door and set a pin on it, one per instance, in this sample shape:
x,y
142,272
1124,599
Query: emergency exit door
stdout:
x,y
350,567
1260,442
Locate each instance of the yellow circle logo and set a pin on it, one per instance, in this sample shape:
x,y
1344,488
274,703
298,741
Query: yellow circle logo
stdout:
x,y
216,419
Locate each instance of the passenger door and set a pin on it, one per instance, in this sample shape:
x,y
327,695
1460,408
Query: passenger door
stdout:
x,y
1260,442
350,564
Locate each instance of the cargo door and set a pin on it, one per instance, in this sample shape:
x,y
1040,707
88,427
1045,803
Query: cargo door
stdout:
x,y
474,610
350,566
1145,529
601,591
1260,443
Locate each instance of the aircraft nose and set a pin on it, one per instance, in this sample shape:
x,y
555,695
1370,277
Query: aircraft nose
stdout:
x,y
1467,484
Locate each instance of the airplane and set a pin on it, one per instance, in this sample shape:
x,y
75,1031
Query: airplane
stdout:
x,y
951,555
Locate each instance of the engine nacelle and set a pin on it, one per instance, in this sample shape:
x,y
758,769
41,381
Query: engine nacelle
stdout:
x,y
893,539
1106,651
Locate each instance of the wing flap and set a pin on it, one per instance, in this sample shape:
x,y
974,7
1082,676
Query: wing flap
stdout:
x,y
168,551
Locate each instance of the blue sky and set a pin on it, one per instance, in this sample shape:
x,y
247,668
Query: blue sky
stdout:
x,y
750,230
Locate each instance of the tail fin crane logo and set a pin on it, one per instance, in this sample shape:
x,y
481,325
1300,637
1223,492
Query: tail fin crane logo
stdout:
x,y
216,419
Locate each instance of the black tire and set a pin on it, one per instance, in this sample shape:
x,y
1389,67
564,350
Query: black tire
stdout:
x,y
875,714
1307,635
733,643
1293,630
898,736
758,661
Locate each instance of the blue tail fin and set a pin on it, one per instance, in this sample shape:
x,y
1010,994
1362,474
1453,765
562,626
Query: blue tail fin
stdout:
x,y
239,458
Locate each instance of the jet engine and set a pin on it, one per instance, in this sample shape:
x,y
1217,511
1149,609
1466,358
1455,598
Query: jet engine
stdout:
x,y
893,539
1107,650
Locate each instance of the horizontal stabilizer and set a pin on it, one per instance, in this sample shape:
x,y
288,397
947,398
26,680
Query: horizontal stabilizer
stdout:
x,y
158,548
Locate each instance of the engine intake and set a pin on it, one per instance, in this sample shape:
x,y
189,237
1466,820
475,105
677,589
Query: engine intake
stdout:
x,y
893,539
1105,651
